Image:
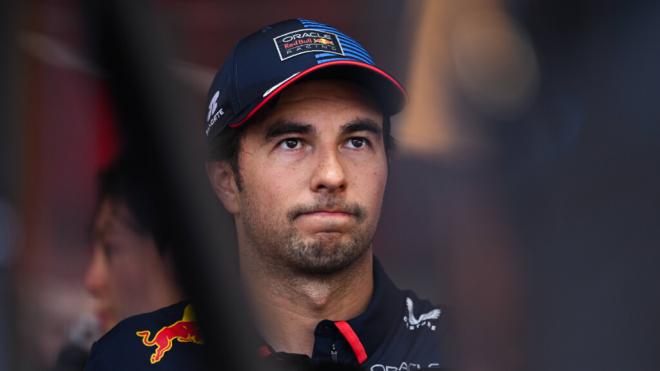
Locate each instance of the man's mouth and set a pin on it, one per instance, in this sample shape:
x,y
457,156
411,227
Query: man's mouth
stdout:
x,y
334,217
105,317
328,213
325,221
334,211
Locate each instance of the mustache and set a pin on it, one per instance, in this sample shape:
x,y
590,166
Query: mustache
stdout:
x,y
351,208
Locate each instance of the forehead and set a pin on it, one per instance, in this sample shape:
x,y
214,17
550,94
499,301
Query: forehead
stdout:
x,y
111,214
312,100
330,89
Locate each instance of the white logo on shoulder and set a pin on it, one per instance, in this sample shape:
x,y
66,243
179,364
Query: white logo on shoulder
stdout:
x,y
424,319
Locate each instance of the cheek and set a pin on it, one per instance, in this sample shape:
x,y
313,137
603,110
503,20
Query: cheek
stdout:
x,y
377,183
369,189
129,274
370,182
271,187
126,276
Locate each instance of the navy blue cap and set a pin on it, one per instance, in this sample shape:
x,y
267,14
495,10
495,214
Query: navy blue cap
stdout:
x,y
264,63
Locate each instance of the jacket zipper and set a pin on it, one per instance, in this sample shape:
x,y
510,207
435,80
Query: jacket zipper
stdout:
x,y
333,353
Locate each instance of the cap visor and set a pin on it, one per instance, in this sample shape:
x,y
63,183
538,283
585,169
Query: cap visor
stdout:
x,y
388,92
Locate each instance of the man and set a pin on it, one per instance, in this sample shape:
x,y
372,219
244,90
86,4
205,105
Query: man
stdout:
x,y
298,132
298,126
132,272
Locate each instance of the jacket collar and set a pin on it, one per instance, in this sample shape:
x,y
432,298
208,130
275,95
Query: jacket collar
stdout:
x,y
366,332
383,311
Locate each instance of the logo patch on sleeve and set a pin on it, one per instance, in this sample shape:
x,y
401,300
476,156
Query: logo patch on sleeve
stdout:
x,y
307,40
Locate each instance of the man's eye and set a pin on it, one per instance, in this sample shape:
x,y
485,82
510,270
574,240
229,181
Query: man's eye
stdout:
x,y
357,142
109,250
291,143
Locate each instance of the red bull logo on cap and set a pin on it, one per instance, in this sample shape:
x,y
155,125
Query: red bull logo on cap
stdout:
x,y
307,40
184,331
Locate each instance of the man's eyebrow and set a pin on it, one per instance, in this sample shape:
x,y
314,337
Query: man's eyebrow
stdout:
x,y
362,125
288,127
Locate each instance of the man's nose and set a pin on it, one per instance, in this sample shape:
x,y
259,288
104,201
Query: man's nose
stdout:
x,y
329,175
96,275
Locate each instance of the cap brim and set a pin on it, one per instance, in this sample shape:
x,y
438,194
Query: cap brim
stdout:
x,y
387,91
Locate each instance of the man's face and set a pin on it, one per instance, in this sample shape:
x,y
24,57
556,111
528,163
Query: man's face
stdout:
x,y
313,174
127,275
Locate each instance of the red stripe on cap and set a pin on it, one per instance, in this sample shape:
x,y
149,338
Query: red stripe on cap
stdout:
x,y
353,340
310,70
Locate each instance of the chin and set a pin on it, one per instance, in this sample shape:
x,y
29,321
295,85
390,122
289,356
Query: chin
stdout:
x,y
326,254
106,322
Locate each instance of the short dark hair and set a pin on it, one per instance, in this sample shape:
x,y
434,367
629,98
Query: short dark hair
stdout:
x,y
129,181
227,145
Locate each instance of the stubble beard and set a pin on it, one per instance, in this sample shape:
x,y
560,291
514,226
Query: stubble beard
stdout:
x,y
279,243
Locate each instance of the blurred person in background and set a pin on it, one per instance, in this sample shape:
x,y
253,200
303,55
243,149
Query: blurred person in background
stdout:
x,y
131,270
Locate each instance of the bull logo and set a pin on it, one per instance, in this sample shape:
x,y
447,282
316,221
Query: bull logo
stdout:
x,y
184,331
323,41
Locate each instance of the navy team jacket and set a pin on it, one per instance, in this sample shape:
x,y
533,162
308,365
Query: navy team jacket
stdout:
x,y
397,332
167,339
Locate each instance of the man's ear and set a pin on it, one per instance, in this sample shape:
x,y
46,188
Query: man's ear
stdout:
x,y
223,181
